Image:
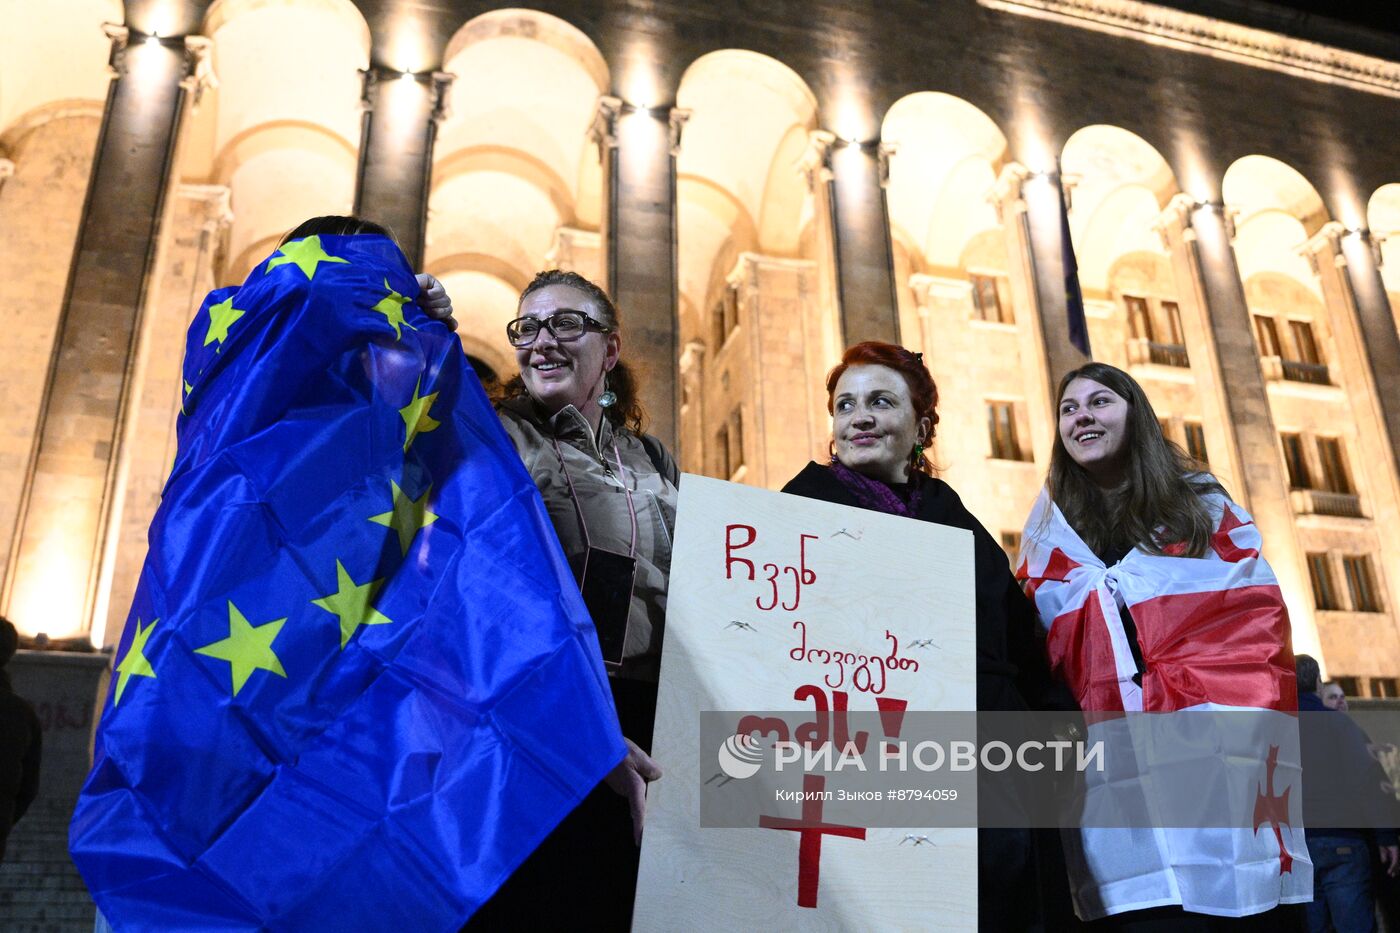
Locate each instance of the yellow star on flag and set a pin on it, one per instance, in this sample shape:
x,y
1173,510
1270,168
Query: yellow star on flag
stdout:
x,y
351,603
407,516
416,419
135,663
248,648
221,317
305,254
391,306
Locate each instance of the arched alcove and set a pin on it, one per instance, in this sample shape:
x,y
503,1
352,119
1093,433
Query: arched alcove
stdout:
x,y
1383,219
517,184
963,298
1276,212
945,156
286,122
760,323
1118,185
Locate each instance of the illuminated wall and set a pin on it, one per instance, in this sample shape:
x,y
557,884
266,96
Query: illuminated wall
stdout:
x,y
1236,231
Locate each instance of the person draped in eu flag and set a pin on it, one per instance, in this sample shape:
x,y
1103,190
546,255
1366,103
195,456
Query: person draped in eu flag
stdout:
x,y
358,684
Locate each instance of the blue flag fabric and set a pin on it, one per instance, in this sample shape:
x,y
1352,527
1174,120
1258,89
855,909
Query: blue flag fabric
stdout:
x,y
357,685
1074,297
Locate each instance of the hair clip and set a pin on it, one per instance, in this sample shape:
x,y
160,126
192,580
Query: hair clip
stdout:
x,y
919,357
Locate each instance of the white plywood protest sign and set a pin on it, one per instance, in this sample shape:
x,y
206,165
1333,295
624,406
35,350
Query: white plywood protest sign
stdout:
x,y
781,603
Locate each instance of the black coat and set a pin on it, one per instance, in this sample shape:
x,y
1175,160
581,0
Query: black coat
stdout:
x,y
1020,883
1013,672
20,745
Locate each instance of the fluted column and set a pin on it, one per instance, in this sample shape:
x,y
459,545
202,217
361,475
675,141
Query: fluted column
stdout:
x,y
68,494
864,255
1034,271
638,146
1234,398
1368,371
402,115
1348,262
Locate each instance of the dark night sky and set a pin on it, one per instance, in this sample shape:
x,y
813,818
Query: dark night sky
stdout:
x,y
1381,15
1369,26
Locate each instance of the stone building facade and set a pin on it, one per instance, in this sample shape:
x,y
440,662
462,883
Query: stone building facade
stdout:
x,y
757,191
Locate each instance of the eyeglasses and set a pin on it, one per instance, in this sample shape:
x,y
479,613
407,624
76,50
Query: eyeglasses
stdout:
x,y
565,325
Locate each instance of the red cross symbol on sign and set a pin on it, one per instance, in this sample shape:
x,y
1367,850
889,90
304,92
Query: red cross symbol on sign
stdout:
x,y
811,829
1273,809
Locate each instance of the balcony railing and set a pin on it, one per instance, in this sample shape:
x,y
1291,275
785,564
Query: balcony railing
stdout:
x,y
1314,373
1321,502
1141,350
1277,369
1169,354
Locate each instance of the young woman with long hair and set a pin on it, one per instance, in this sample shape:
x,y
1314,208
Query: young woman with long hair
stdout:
x,y
1149,583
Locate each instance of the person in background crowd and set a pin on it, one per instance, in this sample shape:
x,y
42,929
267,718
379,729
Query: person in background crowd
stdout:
x,y
20,743
1343,898
1151,587
884,408
610,490
1333,697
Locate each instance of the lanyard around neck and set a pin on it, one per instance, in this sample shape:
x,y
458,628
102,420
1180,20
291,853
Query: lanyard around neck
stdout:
x,y
578,509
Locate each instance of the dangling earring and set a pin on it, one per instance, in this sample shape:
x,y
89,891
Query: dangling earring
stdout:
x,y
608,398
918,455
831,449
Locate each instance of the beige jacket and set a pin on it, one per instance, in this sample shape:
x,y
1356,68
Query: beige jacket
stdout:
x,y
593,467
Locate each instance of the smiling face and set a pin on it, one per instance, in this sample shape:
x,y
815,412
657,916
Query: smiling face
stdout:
x,y
874,423
570,373
1094,429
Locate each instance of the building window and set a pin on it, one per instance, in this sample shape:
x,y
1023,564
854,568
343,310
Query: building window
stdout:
x,y
1011,544
1334,469
725,315
1351,686
1150,344
1297,464
1361,582
1304,343
1139,318
1172,311
1323,586
1300,360
1266,330
1196,441
1385,688
729,445
991,298
1001,426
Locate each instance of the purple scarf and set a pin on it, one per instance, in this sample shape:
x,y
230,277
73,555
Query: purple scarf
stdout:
x,y
876,495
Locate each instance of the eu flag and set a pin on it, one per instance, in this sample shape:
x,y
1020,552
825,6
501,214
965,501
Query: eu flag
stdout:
x,y
1074,296
357,685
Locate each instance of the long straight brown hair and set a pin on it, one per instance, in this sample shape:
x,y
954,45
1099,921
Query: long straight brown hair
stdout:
x,y
1159,504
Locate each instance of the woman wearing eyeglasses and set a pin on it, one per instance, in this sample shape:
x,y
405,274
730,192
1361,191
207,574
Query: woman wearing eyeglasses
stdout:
x,y
610,491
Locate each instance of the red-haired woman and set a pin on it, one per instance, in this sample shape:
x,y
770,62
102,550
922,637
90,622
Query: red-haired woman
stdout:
x,y
884,408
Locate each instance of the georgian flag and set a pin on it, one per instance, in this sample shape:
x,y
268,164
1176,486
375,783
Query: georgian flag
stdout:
x,y
1213,635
